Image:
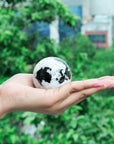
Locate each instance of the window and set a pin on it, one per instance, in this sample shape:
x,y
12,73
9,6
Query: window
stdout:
x,y
97,38
67,31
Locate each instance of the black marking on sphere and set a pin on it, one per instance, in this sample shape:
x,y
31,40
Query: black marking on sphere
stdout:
x,y
68,73
64,76
42,74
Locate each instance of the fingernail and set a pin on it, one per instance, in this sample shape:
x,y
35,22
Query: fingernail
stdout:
x,y
98,85
112,86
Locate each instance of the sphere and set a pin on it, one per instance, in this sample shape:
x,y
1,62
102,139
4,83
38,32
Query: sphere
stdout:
x,y
51,72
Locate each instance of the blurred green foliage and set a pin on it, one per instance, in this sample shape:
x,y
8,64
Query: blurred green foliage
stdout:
x,y
91,121
16,46
77,52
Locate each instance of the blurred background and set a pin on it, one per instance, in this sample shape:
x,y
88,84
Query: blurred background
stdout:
x,y
79,32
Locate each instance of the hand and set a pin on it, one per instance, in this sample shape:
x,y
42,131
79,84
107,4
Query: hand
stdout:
x,y
19,94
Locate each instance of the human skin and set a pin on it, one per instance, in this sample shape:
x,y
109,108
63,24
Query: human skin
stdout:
x,y
19,94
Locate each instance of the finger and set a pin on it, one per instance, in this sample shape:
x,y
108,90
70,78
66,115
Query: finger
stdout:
x,y
92,82
76,86
80,85
77,97
71,87
106,77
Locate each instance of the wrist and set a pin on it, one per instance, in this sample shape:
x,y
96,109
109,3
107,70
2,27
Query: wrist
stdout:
x,y
4,101
1,103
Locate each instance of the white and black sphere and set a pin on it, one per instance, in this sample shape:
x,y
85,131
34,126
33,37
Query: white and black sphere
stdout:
x,y
51,72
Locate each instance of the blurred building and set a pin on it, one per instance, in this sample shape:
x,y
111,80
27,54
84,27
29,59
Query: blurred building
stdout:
x,y
97,20
65,30
59,30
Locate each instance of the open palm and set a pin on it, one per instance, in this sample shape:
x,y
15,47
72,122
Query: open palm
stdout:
x,y
19,94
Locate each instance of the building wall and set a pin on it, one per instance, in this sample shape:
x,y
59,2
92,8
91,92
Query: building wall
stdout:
x,y
54,30
86,10
96,8
85,6
93,7
99,27
73,2
113,26
102,7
